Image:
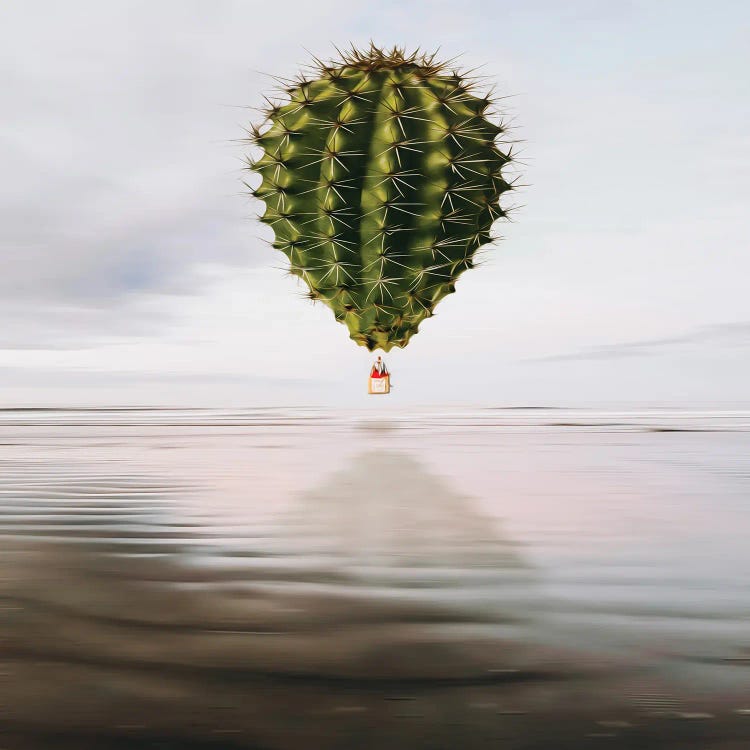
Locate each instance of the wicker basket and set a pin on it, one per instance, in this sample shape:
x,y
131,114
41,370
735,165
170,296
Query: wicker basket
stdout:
x,y
380,385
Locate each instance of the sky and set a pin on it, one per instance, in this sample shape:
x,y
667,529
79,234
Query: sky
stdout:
x,y
133,269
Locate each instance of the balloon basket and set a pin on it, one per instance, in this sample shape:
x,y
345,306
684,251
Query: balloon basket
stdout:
x,y
377,386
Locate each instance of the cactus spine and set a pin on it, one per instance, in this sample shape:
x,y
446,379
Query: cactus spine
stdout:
x,y
381,177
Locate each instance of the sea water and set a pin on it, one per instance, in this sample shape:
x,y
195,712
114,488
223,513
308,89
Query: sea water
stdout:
x,y
432,578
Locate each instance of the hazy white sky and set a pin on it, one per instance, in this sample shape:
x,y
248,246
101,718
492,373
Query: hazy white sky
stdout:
x,y
131,268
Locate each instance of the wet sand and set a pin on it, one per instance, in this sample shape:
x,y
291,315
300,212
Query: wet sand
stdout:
x,y
302,579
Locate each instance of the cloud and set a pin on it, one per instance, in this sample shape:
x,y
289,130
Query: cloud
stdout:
x,y
85,378
61,324
728,334
120,173
116,177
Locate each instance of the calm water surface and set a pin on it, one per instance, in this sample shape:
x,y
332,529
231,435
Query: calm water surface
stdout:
x,y
271,578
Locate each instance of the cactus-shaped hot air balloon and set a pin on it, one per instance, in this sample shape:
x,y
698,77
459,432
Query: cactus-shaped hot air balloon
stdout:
x,y
381,176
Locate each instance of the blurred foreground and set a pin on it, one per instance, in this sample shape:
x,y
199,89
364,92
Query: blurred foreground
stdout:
x,y
301,579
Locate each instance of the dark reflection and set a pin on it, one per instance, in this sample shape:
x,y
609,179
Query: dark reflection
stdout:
x,y
382,610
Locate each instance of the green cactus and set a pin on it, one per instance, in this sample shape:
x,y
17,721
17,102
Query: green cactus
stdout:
x,y
381,179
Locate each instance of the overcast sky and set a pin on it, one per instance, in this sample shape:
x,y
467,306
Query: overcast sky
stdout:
x,y
132,269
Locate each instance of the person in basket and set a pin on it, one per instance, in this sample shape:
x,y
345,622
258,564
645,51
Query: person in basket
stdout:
x,y
378,369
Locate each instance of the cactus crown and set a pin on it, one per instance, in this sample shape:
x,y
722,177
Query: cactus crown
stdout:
x,y
381,177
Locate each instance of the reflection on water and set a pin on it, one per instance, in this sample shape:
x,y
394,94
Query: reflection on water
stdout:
x,y
256,579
